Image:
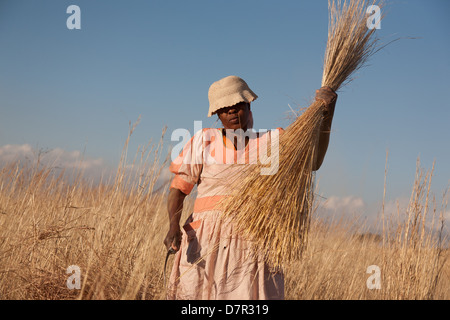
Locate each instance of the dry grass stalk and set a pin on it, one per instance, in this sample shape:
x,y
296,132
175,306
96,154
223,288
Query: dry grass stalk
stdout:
x,y
273,210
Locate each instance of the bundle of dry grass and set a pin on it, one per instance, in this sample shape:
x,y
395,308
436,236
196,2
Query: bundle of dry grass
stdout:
x,y
273,210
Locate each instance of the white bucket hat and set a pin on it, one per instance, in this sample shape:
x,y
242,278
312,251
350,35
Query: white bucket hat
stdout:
x,y
227,92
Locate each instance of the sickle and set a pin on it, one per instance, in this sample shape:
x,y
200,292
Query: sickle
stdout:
x,y
169,252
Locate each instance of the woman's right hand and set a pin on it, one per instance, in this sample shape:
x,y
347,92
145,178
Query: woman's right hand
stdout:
x,y
175,208
173,238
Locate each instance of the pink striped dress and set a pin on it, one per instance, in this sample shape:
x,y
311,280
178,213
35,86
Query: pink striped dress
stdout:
x,y
213,262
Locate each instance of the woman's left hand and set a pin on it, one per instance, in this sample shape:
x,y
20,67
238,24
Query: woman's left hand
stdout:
x,y
328,97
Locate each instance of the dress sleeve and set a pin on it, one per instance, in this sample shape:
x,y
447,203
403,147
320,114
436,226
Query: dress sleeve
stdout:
x,y
281,130
188,166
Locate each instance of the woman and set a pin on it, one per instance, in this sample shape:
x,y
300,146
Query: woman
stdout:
x,y
211,261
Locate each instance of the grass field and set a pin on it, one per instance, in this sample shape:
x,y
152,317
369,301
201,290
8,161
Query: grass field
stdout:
x,y
113,231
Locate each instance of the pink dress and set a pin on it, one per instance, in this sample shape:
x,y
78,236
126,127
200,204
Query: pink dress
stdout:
x,y
214,263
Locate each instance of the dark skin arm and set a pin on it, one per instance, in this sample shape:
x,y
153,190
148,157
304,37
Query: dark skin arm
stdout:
x,y
328,97
175,208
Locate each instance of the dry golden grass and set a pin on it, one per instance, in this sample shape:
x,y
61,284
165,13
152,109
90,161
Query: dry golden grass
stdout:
x,y
114,232
335,264
411,254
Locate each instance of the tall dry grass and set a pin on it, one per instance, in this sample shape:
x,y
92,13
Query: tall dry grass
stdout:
x,y
114,232
111,230
411,252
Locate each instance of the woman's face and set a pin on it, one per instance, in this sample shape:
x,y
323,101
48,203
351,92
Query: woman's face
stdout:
x,y
235,117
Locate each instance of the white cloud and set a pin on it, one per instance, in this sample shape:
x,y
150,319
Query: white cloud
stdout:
x,y
57,159
11,153
74,162
348,204
348,208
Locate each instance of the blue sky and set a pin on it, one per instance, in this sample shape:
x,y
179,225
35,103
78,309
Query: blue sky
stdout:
x,y
78,89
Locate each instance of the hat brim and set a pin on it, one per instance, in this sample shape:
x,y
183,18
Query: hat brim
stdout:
x,y
231,100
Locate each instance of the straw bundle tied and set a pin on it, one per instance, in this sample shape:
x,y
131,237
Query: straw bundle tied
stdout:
x,y
274,210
